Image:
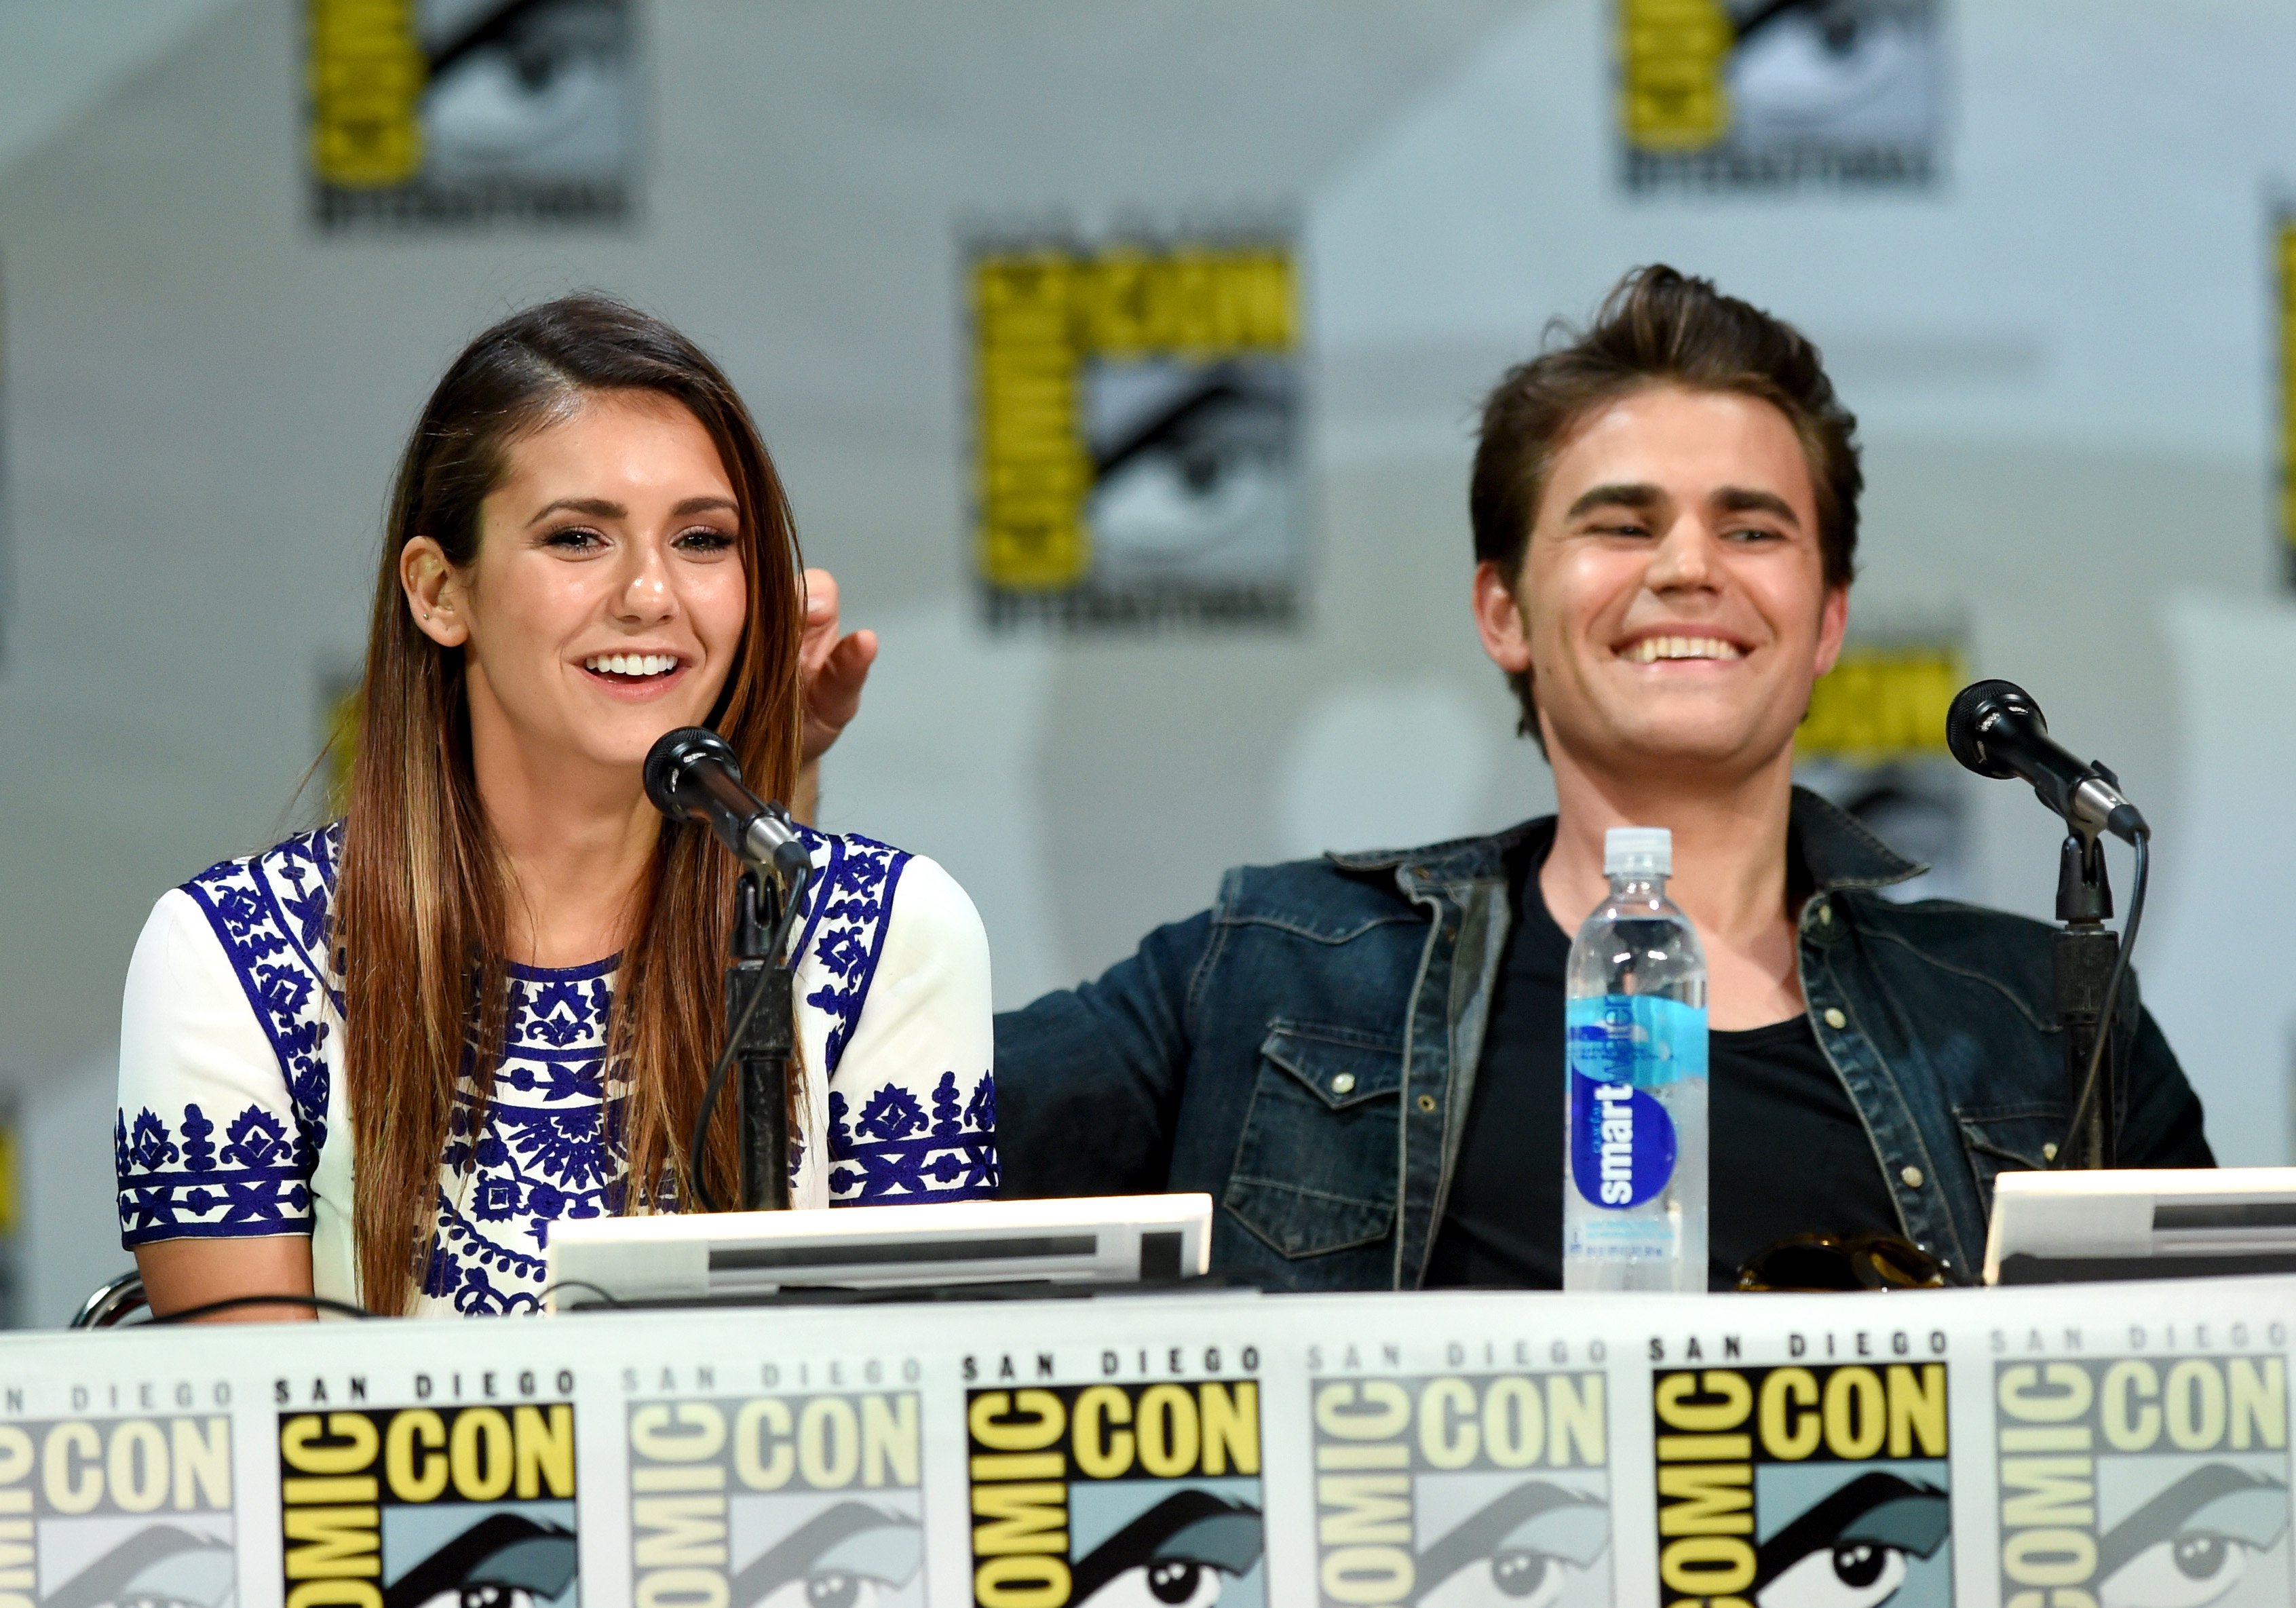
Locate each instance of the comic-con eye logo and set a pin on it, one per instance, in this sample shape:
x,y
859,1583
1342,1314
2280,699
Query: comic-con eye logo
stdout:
x,y
1462,1490
1138,433
2144,1482
1804,1487
456,1507
1732,95
82,1505
1117,1496
777,1502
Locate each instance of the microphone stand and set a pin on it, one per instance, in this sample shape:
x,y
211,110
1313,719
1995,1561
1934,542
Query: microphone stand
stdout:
x,y
766,1023
2082,959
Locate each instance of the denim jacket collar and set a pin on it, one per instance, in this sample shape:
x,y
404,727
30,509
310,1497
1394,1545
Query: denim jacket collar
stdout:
x,y
1839,851
1836,847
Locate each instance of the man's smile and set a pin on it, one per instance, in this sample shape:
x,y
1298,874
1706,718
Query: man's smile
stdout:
x,y
1653,648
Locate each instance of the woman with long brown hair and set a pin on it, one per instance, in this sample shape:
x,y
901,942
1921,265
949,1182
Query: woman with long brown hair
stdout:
x,y
376,1062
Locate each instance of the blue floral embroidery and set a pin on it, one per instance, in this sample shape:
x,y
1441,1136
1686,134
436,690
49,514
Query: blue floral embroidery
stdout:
x,y
257,1140
269,913
548,1143
199,1150
891,1113
545,1148
148,1147
890,1153
850,901
157,1202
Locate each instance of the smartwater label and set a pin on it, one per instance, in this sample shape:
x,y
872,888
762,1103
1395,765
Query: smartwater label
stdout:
x,y
1621,1143
1622,1140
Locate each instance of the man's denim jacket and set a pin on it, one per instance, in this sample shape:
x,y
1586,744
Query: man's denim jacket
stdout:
x,y
1306,1051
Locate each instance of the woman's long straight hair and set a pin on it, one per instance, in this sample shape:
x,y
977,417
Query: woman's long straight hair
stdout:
x,y
419,908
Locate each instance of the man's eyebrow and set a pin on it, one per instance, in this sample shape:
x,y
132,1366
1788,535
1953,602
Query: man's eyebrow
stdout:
x,y
1742,499
597,508
1640,495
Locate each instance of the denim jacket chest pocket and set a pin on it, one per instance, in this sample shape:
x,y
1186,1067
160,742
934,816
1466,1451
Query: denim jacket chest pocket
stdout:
x,y
1315,1166
2009,1138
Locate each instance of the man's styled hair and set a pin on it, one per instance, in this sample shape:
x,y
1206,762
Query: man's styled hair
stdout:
x,y
1656,327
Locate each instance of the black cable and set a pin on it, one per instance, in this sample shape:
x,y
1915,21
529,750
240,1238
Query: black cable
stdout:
x,y
711,1091
603,1294
715,1088
317,1303
2066,1147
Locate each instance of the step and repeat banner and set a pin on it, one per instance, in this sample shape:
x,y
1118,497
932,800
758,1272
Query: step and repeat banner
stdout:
x,y
2097,1448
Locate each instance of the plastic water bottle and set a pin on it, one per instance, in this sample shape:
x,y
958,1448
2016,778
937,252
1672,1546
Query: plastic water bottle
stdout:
x,y
1634,1196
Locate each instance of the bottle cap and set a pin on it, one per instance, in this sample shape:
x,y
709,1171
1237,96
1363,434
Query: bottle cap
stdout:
x,y
1638,850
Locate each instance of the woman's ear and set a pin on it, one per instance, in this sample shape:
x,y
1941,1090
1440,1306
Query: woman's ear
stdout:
x,y
435,594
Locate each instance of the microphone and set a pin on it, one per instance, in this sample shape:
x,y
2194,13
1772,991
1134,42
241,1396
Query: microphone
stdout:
x,y
691,774
1997,730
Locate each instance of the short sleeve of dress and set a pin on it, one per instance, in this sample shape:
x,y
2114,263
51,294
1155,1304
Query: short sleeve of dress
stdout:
x,y
912,1101
206,1144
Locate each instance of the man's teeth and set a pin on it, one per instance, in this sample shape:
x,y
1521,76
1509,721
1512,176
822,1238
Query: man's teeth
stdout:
x,y
1652,648
631,664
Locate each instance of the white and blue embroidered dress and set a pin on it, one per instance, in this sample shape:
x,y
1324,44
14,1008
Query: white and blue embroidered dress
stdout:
x,y
233,1119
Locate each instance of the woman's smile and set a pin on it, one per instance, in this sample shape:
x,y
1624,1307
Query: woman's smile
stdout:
x,y
635,676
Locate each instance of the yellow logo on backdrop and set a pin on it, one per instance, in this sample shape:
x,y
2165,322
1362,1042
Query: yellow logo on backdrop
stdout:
x,y
1673,54
1882,703
367,72
1719,1429
1039,316
338,1471
74,1490
339,757
2287,256
690,1460
1031,1450
8,1179
1384,1447
125,1465
2065,1430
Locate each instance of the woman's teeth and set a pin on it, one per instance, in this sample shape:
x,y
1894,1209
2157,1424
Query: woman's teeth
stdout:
x,y
631,664
1652,648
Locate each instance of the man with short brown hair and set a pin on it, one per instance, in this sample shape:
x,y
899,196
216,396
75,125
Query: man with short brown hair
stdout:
x,y
1360,1058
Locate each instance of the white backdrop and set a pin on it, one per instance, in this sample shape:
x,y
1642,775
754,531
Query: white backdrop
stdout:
x,y
2061,355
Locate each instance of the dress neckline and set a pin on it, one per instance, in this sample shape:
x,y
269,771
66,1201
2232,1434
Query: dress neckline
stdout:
x,y
583,973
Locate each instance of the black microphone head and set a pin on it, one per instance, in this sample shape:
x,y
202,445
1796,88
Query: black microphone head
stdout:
x,y
1976,707
667,761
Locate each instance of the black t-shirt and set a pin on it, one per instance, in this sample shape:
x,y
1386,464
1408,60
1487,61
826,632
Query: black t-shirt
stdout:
x,y
1786,1151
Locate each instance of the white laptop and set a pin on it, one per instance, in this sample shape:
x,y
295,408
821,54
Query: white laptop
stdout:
x,y
738,1256
2054,1227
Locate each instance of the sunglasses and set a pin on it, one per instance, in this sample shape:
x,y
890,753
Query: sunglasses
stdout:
x,y
1824,1262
